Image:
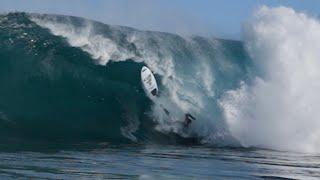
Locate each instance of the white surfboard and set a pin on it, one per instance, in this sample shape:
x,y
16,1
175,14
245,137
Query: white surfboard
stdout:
x,y
149,82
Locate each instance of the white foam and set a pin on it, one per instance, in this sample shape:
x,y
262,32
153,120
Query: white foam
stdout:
x,y
280,108
100,47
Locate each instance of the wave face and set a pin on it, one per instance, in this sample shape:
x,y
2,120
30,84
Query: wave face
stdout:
x,y
71,78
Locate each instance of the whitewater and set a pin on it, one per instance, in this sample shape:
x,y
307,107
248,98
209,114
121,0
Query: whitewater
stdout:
x,y
260,92
279,109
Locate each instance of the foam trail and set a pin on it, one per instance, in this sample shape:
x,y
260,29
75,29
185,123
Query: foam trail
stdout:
x,y
280,108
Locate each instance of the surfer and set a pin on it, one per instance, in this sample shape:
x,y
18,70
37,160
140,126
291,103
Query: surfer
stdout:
x,y
188,119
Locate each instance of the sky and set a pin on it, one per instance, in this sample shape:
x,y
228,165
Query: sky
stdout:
x,y
218,18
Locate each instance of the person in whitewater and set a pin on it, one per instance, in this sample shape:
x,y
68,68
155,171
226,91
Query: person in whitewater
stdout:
x,y
188,118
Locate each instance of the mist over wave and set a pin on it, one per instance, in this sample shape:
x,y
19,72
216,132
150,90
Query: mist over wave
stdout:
x,y
280,108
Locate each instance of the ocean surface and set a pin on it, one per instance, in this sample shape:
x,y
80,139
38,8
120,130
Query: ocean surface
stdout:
x,y
157,162
72,105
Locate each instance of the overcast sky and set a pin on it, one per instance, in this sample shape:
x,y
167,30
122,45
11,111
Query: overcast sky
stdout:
x,y
219,18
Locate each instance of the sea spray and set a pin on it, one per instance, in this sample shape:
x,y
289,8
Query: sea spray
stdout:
x,y
280,108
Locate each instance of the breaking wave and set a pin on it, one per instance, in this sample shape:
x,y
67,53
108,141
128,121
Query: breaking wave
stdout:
x,y
66,77
279,109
